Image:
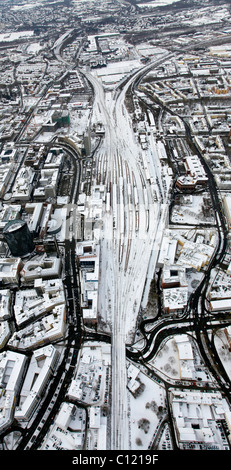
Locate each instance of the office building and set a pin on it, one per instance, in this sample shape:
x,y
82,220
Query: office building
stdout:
x,y
18,238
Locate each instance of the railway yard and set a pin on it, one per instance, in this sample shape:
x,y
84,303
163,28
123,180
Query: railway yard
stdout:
x,y
116,157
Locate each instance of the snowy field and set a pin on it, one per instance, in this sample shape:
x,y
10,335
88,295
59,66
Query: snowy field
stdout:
x,y
33,4
146,410
9,37
191,210
222,347
34,48
157,4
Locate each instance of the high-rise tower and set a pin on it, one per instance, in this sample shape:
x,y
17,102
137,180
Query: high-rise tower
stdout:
x,y
18,238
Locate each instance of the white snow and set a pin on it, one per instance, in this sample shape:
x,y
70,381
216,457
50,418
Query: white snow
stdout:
x,y
9,37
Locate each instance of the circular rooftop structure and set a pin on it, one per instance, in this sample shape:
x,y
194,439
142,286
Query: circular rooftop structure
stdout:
x,y
18,238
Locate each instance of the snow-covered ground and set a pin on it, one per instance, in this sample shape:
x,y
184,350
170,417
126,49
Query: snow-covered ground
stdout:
x,y
223,349
191,211
156,4
9,37
147,411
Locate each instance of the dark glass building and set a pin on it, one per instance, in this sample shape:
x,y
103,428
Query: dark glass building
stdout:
x,y
18,238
